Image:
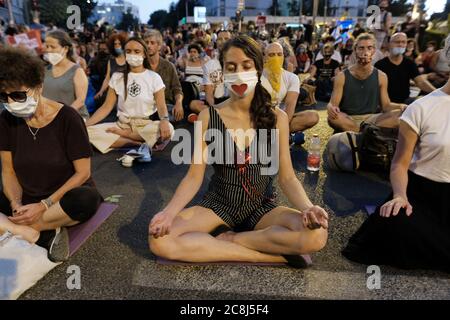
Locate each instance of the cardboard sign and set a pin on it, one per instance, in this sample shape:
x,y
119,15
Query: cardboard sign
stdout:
x,y
31,40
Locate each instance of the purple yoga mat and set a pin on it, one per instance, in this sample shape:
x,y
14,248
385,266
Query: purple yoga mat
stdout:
x,y
80,233
161,146
370,209
163,261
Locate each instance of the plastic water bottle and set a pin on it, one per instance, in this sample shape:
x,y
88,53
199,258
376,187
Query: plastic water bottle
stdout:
x,y
202,96
313,160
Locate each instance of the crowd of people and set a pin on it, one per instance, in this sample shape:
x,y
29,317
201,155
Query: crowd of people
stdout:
x,y
56,102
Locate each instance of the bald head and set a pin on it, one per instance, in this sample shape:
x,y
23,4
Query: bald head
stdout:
x,y
274,49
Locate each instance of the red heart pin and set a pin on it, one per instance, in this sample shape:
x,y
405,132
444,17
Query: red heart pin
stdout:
x,y
239,89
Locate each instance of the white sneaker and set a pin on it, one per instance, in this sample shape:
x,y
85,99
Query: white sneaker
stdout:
x,y
145,152
126,160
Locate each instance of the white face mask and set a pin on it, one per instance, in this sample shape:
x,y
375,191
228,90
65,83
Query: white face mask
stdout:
x,y
242,83
398,51
22,109
135,60
53,57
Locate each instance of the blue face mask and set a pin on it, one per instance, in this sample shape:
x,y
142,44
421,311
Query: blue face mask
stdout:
x,y
397,51
119,51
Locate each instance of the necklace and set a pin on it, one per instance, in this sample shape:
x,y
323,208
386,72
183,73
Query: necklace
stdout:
x,y
33,133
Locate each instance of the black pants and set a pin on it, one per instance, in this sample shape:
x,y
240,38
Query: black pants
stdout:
x,y
80,204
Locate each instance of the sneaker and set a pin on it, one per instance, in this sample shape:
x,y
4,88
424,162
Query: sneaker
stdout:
x,y
192,118
126,160
59,250
145,153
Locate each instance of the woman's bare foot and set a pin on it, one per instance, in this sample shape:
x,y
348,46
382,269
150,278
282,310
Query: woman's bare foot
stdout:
x,y
226,236
27,233
121,132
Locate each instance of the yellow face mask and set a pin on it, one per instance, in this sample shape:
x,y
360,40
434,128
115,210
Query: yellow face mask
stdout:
x,y
274,69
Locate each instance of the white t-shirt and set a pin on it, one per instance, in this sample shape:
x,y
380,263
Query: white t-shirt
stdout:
x,y
289,83
213,75
429,117
140,101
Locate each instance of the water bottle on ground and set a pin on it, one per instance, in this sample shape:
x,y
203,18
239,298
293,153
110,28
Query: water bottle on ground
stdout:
x,y
313,160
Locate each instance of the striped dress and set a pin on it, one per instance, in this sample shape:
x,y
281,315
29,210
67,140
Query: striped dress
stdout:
x,y
238,193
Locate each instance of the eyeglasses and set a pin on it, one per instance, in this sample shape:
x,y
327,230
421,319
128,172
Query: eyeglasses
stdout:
x,y
17,96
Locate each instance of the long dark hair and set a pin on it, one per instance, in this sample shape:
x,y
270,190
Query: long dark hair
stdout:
x,y
262,112
64,41
146,61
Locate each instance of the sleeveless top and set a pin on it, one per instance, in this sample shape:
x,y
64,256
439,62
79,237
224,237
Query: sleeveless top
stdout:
x,y
115,67
62,89
236,182
361,96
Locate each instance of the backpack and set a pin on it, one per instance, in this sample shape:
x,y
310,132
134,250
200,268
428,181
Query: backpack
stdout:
x,y
377,147
342,152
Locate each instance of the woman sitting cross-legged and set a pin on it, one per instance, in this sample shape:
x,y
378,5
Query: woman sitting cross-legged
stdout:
x,y
412,229
45,159
142,111
240,201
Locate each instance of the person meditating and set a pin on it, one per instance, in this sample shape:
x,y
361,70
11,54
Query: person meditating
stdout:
x,y
238,218
45,156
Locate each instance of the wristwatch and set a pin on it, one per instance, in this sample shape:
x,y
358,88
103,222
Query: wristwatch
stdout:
x,y
165,118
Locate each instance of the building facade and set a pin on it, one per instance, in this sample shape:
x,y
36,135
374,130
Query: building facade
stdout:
x,y
19,10
355,8
227,8
112,12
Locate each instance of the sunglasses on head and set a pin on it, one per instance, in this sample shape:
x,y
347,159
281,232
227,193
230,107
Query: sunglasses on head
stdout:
x,y
17,96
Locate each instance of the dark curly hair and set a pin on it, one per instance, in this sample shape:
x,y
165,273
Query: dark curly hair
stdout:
x,y
19,67
195,46
262,112
122,37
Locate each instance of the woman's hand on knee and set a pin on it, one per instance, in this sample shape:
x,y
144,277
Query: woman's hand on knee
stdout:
x,y
315,217
161,224
29,214
393,207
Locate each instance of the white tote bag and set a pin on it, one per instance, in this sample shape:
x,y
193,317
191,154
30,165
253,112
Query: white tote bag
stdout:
x,y
22,265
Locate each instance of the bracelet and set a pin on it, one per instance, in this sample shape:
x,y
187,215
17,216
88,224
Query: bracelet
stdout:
x,y
165,118
47,202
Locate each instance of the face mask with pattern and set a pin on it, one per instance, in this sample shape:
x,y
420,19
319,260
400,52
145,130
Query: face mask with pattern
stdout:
x,y
273,68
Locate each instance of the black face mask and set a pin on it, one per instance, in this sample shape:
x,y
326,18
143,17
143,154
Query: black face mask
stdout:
x,y
327,56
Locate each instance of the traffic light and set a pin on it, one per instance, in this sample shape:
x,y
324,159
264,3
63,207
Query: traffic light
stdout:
x,y
2,3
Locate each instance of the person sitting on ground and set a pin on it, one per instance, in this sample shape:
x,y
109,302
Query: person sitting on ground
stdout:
x,y
284,87
191,68
303,59
323,72
141,109
400,71
45,158
336,55
360,90
440,70
215,91
240,196
65,81
411,52
411,230
290,61
117,63
168,73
